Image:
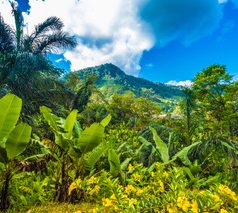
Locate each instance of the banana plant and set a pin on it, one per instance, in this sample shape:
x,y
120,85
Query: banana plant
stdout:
x,y
78,150
13,141
163,150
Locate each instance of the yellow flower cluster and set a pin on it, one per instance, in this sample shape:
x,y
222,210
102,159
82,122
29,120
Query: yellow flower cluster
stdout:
x,y
227,191
161,184
130,167
136,177
216,198
95,190
129,189
74,185
165,174
194,206
134,201
92,180
172,209
139,192
223,211
106,202
183,202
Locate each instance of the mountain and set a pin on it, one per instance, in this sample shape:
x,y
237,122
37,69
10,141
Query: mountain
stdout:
x,y
112,80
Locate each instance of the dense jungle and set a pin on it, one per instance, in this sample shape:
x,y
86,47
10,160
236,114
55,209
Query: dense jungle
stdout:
x,y
99,140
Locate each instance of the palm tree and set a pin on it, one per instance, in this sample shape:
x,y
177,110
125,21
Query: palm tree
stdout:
x,y
24,67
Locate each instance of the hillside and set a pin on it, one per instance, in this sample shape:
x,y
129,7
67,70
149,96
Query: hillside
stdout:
x,y
112,80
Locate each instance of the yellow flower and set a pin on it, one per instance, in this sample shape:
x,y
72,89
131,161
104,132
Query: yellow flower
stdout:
x,y
183,202
227,191
216,198
125,197
223,211
172,209
92,180
95,190
130,167
107,202
194,206
78,211
133,200
158,164
78,181
129,188
152,174
139,192
113,197
161,184
136,177
72,187
95,210
165,174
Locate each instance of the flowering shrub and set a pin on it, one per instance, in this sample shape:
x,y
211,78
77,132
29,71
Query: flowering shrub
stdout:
x,y
155,189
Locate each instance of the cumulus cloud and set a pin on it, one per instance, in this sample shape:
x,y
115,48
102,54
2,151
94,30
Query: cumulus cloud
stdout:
x,y
108,31
120,31
5,11
184,20
186,83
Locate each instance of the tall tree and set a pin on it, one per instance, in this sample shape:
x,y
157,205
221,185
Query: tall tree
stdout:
x,y
209,87
24,67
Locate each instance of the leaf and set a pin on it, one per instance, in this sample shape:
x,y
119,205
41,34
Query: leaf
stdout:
x,y
18,140
114,162
183,154
69,123
94,156
10,108
161,146
90,137
106,120
228,146
125,163
51,119
77,129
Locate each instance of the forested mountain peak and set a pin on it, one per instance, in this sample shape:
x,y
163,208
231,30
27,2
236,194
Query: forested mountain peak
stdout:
x,y
112,80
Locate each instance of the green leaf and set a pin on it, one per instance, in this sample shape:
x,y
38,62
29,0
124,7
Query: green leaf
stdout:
x,y
69,123
114,162
10,108
106,121
183,154
161,146
51,119
93,156
125,164
17,140
90,137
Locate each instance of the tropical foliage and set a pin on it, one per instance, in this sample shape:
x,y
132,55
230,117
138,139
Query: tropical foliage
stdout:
x,y
109,142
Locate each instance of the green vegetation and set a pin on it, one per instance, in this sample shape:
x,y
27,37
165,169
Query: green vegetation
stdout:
x,y
82,145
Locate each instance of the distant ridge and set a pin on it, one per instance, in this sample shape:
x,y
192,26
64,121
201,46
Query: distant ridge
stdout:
x,y
112,80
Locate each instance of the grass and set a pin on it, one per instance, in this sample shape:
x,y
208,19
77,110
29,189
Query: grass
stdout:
x,y
64,208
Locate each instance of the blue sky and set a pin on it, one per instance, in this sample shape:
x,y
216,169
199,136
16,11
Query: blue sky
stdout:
x,y
160,40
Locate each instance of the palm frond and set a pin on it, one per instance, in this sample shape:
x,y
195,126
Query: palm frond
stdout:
x,y
7,41
51,24
55,41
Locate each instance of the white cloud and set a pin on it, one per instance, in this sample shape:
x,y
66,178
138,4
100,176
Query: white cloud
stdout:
x,y
186,83
5,11
109,31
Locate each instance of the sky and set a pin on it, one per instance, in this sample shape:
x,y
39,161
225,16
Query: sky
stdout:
x,y
159,40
